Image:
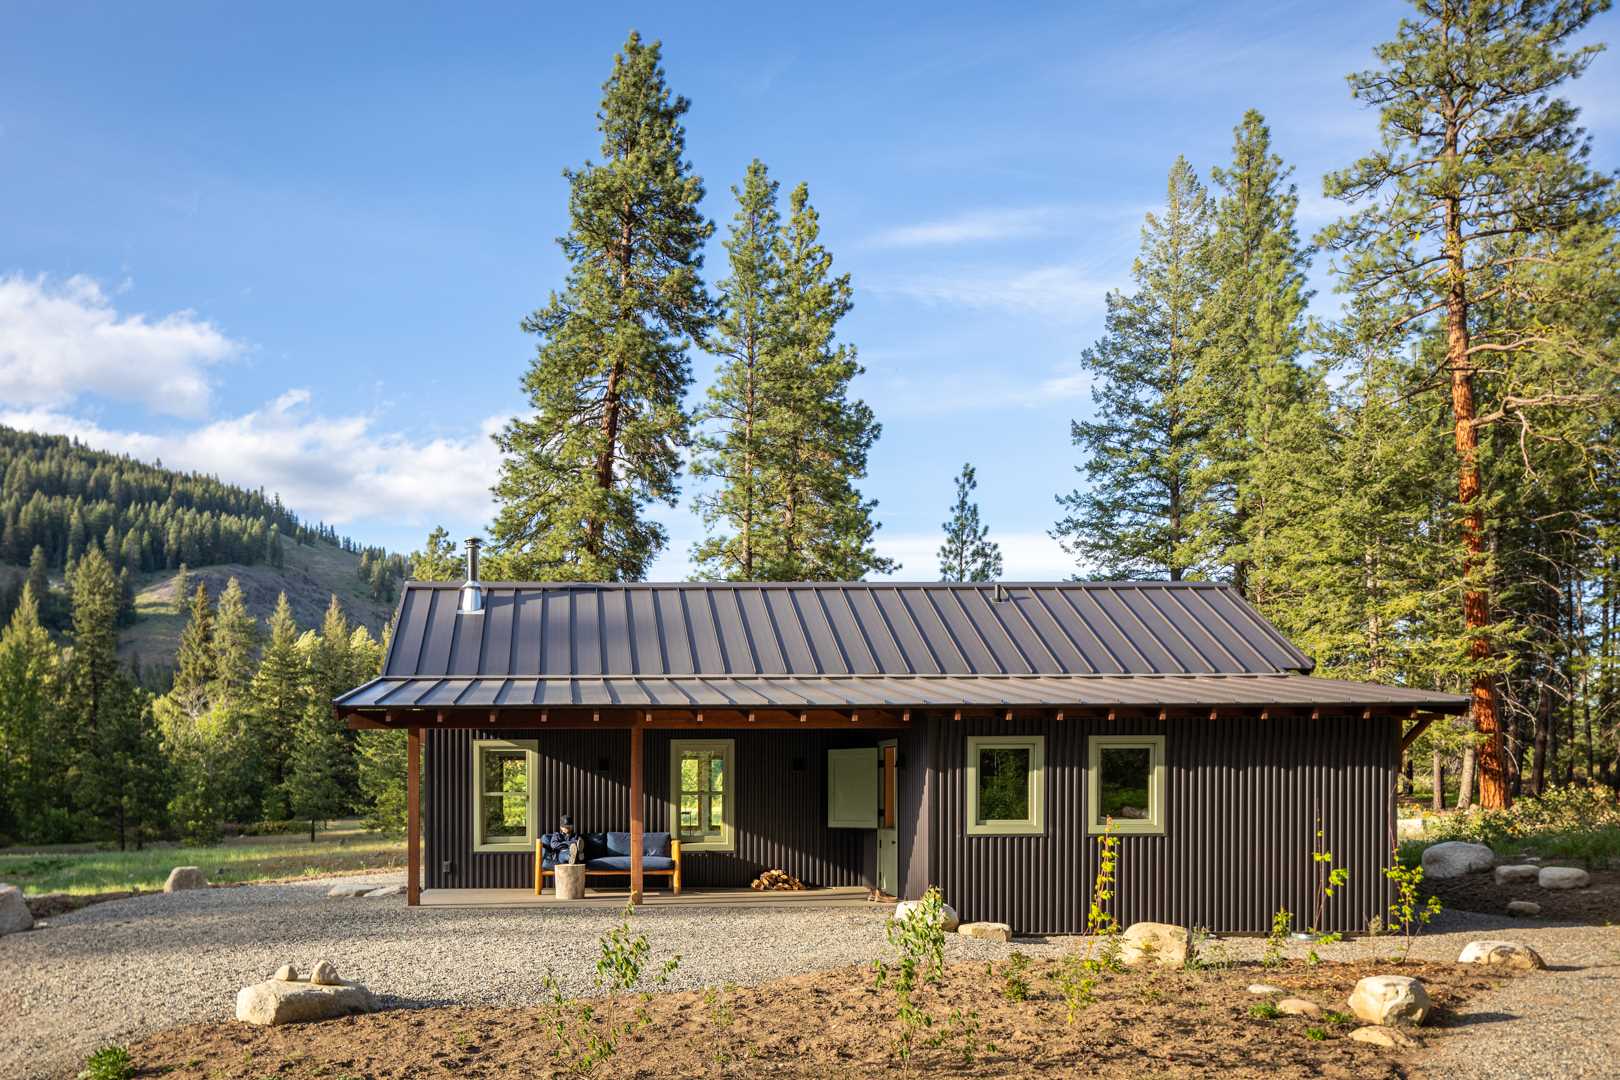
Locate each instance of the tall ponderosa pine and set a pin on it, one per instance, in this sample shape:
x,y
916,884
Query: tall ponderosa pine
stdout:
x,y
31,756
611,371
235,642
816,436
968,553
194,669
1249,384
280,695
321,774
1136,517
1481,175
731,449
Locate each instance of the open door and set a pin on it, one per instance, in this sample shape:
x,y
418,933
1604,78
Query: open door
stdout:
x,y
888,832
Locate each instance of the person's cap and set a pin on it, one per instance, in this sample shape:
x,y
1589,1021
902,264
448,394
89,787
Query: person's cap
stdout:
x,y
567,820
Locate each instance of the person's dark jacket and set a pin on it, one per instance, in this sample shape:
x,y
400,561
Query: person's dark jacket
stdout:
x,y
560,847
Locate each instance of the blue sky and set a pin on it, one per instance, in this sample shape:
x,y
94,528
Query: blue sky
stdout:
x,y
290,244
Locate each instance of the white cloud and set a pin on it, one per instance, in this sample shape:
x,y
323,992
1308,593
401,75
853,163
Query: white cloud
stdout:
x,y
1060,291
969,227
977,390
60,342
338,469
1026,556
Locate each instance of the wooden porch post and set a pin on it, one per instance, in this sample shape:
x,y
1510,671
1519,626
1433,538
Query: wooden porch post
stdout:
x,y
413,827
637,826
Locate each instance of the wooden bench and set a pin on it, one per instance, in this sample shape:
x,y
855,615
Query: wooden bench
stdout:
x,y
541,871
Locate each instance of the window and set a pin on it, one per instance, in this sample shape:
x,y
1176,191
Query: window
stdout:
x,y
1006,778
700,784
504,816
1125,781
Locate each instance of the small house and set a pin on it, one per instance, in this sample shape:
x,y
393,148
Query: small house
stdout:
x,y
894,736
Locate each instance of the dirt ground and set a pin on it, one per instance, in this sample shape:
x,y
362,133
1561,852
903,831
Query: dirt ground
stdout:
x,y
1596,905
1161,1023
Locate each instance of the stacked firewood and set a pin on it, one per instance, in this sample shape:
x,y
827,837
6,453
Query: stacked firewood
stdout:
x,y
776,881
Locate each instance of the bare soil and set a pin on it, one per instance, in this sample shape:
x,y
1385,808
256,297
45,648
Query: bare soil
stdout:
x,y
1596,905
1169,1023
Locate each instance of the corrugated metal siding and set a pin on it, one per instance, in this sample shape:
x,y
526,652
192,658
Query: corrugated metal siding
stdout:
x,y
1243,796
781,805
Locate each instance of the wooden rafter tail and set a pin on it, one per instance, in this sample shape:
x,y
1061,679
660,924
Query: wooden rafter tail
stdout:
x,y
438,717
905,716
1418,728
803,717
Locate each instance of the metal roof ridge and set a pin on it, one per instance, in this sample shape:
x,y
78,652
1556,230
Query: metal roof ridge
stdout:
x,y
1124,583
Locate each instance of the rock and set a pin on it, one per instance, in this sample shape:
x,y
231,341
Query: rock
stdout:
x,y
1297,1006
1265,988
1161,942
1381,1036
349,890
185,877
1515,875
286,973
1501,954
325,974
986,931
14,913
1523,907
1390,1000
905,909
384,891
1563,877
274,1002
1455,858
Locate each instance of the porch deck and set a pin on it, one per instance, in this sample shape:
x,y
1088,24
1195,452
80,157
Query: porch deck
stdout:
x,y
615,898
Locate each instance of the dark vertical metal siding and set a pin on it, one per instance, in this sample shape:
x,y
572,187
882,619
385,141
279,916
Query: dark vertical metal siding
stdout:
x,y
781,805
1242,796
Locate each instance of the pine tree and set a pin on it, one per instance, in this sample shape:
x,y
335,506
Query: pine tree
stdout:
x,y
1248,380
438,560
194,661
816,437
607,384
322,773
731,449
280,696
1136,517
235,642
31,760
1481,175
968,553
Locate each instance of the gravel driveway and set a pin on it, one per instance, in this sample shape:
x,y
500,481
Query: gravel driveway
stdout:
x,y
115,970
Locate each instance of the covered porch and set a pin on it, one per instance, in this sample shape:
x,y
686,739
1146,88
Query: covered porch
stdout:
x,y
611,899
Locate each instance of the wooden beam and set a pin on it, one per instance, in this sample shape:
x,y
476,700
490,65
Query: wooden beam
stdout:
x,y
1058,716
413,817
637,825
1417,729
905,717
438,717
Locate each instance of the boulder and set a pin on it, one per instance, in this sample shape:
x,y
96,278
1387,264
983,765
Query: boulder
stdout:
x,y
986,931
1523,908
185,877
1454,859
349,890
1516,875
1265,988
1298,1006
1381,1036
1163,943
14,913
1390,1000
1501,954
1563,877
384,891
949,920
286,973
325,974
292,1002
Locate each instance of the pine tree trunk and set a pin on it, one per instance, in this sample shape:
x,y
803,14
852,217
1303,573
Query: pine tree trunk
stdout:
x,y
1476,597
1437,780
1538,773
1465,778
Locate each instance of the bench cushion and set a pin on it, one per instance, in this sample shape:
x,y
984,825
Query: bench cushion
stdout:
x,y
622,862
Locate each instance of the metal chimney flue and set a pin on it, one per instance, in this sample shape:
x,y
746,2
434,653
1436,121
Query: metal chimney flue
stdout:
x,y
472,594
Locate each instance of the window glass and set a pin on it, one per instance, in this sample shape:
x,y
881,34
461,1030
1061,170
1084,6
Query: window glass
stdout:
x,y
1125,776
1004,783
504,809
701,773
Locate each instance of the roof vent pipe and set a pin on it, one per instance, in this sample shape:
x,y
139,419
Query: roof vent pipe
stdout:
x,y
472,595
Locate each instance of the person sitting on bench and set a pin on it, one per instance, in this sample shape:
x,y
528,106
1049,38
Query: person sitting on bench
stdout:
x,y
565,845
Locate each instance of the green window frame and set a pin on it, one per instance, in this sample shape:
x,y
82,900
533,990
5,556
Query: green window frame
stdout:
x,y
505,810
703,793
1152,823
993,807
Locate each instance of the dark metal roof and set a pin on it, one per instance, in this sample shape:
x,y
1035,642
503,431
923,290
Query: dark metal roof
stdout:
x,y
792,645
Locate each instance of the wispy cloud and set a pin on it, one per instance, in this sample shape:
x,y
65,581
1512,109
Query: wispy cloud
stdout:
x,y
339,469
1026,556
1062,291
62,341
973,226
979,390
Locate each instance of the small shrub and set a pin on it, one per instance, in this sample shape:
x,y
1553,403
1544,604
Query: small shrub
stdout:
x,y
1079,973
1265,1010
108,1063
1338,1018
1014,981
961,1029
1277,941
1411,911
1205,950
1316,1033
1580,822
919,944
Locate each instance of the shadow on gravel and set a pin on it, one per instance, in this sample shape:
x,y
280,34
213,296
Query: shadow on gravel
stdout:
x,y
1452,1021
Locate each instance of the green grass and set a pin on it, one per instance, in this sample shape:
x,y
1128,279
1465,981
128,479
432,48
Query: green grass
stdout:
x,y
263,858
